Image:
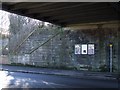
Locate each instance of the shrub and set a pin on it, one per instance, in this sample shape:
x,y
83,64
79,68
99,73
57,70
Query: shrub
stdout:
x,y
103,68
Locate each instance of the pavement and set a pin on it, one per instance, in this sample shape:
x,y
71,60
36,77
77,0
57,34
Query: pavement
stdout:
x,y
70,73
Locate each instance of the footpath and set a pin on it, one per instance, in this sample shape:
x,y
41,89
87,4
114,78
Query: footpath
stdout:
x,y
70,73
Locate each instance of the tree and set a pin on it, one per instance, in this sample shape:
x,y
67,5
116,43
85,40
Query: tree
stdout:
x,y
17,23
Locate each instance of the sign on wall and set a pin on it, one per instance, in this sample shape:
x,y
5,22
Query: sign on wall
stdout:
x,y
77,49
90,48
84,48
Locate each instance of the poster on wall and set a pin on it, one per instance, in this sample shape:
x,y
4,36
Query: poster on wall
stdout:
x,y
77,49
90,49
84,48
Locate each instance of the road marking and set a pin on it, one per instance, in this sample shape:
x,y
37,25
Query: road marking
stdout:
x,y
51,83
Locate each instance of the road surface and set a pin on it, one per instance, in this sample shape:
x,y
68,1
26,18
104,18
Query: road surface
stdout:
x,y
27,80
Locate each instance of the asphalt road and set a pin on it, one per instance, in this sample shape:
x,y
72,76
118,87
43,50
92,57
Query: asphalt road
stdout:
x,y
27,80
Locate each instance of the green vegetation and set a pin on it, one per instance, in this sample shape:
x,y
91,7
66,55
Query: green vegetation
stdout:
x,y
104,68
49,67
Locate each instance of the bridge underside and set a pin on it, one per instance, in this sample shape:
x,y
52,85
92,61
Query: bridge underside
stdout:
x,y
65,13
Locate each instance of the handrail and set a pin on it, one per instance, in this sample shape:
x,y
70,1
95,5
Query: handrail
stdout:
x,y
24,39
21,40
34,49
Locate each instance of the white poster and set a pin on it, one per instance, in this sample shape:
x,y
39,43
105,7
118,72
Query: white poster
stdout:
x,y
90,48
84,48
77,49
